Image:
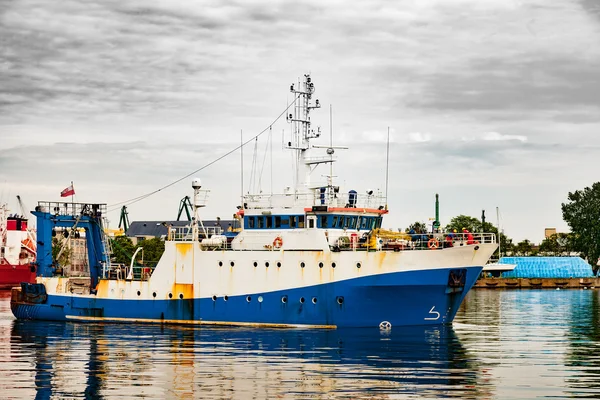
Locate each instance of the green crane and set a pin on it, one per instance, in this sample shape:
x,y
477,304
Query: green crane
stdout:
x,y
185,204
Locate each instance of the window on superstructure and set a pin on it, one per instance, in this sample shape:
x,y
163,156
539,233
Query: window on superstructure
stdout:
x,y
251,222
335,221
277,222
323,221
364,223
269,222
372,223
301,221
292,221
379,221
353,222
346,222
261,222
340,222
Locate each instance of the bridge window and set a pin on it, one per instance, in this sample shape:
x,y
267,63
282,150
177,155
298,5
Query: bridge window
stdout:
x,y
353,222
301,221
261,222
251,222
323,221
379,221
364,223
292,221
269,222
340,222
277,222
335,221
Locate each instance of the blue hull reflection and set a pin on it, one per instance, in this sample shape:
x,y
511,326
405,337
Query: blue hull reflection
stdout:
x,y
414,359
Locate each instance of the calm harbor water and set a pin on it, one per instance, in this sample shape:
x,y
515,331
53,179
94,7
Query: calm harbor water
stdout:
x,y
503,344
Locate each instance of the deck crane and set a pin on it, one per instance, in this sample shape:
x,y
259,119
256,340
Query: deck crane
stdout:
x,y
22,207
185,204
124,219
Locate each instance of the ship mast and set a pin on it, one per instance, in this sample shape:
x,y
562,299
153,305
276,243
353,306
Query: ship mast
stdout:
x,y
302,132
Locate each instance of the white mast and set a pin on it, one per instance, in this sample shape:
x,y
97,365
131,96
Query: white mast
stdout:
x,y
302,131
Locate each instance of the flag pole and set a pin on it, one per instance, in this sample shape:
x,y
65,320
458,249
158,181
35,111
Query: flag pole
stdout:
x,y
72,196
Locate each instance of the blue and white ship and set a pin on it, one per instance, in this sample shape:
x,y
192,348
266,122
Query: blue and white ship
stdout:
x,y
313,256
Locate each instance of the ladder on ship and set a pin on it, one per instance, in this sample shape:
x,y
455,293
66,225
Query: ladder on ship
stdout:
x,y
107,251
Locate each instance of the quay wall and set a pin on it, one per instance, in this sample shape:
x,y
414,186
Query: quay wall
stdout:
x,y
537,283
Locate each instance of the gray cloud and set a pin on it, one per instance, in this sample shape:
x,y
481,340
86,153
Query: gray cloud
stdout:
x,y
123,97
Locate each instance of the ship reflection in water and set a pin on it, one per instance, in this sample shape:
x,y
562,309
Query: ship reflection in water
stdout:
x,y
182,362
504,344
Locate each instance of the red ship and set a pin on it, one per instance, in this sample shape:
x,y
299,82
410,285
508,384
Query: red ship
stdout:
x,y
17,250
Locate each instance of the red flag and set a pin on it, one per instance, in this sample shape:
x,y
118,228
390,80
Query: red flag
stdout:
x,y
70,191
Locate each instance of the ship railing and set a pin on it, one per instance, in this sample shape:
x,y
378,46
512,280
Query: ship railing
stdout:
x,y
122,272
419,241
185,233
289,200
67,208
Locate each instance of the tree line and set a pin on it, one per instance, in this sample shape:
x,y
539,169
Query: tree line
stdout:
x,y
581,212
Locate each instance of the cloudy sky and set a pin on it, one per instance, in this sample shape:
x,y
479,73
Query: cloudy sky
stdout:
x,y
490,103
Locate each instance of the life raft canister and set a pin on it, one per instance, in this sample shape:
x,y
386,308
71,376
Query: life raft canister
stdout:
x,y
433,243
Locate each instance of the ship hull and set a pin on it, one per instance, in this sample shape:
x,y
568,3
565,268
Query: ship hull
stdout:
x,y
390,299
13,275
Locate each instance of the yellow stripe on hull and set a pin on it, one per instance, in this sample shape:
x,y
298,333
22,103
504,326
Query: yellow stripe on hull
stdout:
x,y
193,322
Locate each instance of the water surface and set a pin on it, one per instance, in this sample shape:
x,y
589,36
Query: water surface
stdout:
x,y
503,344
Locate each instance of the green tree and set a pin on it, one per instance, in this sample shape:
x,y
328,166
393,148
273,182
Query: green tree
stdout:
x,y
122,249
418,226
524,248
464,222
153,250
65,255
557,244
474,225
582,214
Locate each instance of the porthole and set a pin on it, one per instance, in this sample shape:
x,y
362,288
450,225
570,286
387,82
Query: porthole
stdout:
x,y
225,297
214,298
314,300
284,299
232,263
181,296
170,295
267,264
260,299
340,300
248,299
320,265
332,265
302,265
301,300
139,293
358,265
154,294
278,264
255,264
220,263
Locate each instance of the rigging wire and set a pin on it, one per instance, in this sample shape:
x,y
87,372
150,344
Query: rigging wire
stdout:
x,y
252,187
116,206
262,168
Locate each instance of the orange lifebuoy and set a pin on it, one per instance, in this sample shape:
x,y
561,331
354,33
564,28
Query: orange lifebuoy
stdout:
x,y
433,243
278,242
